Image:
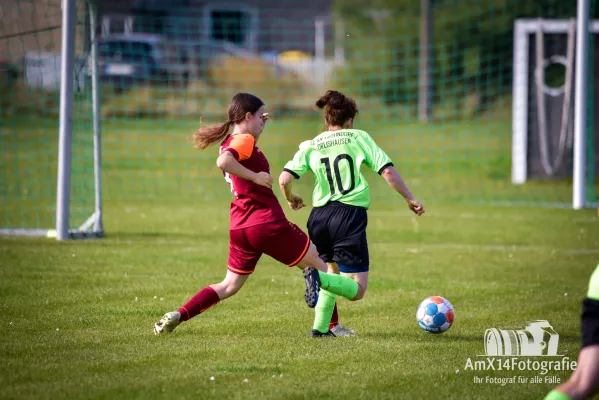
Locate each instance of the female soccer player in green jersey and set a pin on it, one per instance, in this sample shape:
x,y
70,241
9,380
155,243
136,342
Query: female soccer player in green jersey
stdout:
x,y
337,223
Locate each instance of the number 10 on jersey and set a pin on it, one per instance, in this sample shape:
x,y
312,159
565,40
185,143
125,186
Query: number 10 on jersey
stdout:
x,y
338,177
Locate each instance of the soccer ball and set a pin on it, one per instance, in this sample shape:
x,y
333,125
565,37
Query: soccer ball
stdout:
x,y
435,314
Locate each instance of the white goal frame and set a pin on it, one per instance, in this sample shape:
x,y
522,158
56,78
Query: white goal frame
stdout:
x,y
93,226
523,28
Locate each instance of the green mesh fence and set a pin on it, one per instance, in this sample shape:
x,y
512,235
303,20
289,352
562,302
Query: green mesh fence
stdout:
x,y
30,43
161,70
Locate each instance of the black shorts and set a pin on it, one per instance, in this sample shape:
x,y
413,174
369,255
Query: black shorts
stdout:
x,y
339,233
590,322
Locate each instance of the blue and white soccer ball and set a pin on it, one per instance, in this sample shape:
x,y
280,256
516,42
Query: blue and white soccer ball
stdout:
x,y
435,314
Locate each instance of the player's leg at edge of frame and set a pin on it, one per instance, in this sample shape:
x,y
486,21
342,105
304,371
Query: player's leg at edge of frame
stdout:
x,y
584,381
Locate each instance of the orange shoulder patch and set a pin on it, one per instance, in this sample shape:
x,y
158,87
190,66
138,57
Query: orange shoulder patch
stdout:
x,y
243,144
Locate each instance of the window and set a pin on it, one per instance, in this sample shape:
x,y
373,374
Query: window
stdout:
x,y
229,25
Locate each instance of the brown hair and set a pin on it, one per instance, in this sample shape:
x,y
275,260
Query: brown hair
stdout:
x,y
240,105
338,107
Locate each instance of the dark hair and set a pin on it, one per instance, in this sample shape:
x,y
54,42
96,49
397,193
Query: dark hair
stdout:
x,y
338,107
240,105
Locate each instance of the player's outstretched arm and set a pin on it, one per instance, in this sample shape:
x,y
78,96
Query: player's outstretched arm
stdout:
x,y
295,201
227,162
396,182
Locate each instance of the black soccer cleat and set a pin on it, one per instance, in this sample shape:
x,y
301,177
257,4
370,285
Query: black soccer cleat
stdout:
x,y
315,333
312,286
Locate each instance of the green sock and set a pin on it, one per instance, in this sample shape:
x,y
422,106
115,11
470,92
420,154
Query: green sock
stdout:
x,y
339,285
594,285
324,311
555,395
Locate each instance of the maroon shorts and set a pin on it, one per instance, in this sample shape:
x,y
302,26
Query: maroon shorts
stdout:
x,y
282,240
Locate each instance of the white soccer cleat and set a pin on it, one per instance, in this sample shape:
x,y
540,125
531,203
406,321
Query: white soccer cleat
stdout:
x,y
167,323
339,330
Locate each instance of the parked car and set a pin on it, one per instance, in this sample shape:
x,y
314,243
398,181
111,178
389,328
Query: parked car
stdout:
x,y
124,60
204,53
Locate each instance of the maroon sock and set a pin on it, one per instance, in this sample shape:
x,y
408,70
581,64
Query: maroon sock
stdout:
x,y
334,318
199,303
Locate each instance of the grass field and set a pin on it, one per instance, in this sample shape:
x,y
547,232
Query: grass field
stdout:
x,y
76,317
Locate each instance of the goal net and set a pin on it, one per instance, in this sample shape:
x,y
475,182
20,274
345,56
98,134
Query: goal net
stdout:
x,y
544,93
437,88
30,67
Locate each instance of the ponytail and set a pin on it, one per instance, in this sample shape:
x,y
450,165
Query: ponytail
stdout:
x,y
240,105
206,136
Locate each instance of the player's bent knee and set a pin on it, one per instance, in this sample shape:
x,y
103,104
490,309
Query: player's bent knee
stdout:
x,y
230,285
227,289
232,289
361,293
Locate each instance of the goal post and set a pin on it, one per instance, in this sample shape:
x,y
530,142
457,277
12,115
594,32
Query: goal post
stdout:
x,y
580,112
93,226
65,136
41,198
575,127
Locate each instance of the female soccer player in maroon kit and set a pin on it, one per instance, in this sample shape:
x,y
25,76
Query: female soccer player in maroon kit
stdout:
x,y
258,224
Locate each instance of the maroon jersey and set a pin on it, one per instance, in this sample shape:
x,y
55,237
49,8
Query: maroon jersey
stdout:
x,y
253,204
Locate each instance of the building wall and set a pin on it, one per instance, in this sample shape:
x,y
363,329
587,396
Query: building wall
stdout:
x,y
282,25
